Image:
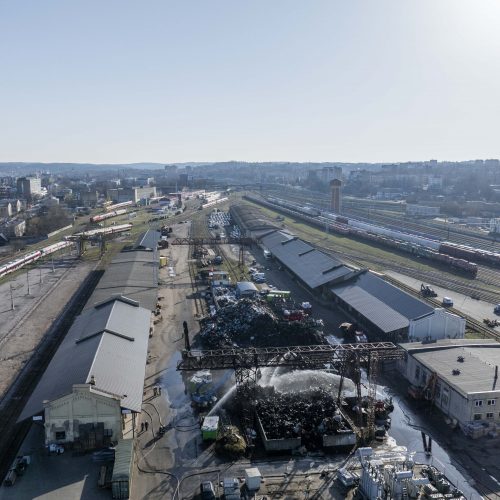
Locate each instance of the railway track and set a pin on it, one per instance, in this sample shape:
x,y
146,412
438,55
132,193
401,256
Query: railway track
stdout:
x,y
13,433
424,229
364,259
472,324
483,287
200,230
374,216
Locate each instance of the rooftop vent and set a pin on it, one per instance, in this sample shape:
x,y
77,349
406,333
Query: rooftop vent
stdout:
x,y
456,371
460,359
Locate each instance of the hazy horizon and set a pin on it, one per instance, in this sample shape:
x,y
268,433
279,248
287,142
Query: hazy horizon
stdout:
x,y
178,82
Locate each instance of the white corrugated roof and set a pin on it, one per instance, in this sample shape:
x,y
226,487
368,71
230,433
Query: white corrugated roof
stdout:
x,y
109,342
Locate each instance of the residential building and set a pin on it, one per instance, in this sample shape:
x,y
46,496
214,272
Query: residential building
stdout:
x,y
89,198
13,228
29,186
5,208
134,194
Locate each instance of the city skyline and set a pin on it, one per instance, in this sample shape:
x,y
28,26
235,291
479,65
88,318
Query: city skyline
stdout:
x,y
177,82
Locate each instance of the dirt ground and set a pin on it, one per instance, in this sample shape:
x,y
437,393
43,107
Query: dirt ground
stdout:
x,y
21,330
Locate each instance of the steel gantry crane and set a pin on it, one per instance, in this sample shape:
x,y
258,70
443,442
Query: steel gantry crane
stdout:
x,y
247,362
212,241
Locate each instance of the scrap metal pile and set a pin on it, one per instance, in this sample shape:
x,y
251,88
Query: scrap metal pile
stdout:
x,y
253,323
309,415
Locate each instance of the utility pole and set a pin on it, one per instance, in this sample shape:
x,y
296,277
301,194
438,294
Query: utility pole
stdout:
x,y
187,344
11,298
40,269
28,280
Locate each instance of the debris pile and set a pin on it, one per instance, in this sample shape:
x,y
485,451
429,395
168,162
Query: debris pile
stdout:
x,y
309,415
224,296
230,442
253,323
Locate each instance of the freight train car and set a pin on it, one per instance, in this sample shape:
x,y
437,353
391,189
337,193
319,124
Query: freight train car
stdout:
x,y
405,242
470,253
397,235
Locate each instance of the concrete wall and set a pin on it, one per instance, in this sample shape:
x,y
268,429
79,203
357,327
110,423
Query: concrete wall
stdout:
x,y
440,325
81,407
342,439
271,445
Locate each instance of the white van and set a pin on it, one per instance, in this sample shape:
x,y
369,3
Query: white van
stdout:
x,y
447,302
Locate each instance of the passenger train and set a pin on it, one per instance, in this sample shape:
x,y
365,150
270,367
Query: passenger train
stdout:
x,y
108,215
30,257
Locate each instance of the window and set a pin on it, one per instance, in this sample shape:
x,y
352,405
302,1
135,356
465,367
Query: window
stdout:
x,y
492,402
108,432
478,416
417,372
60,435
478,402
489,415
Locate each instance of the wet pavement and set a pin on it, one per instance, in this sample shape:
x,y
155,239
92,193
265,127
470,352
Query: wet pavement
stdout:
x,y
179,460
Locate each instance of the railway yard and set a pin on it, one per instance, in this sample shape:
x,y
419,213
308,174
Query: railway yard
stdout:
x,y
214,351
483,286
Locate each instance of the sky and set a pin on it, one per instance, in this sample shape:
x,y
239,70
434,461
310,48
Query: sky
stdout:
x,y
119,81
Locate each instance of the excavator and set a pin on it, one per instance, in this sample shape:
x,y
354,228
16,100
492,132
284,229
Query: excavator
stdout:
x,y
426,393
427,290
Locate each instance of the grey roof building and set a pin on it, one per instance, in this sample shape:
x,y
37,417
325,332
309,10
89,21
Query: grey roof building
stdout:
x,y
148,241
389,312
459,376
251,221
379,302
105,347
133,274
311,266
246,289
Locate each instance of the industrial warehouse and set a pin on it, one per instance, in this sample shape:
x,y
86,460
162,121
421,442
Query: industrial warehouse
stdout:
x,y
382,309
92,390
251,365
461,378
85,384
